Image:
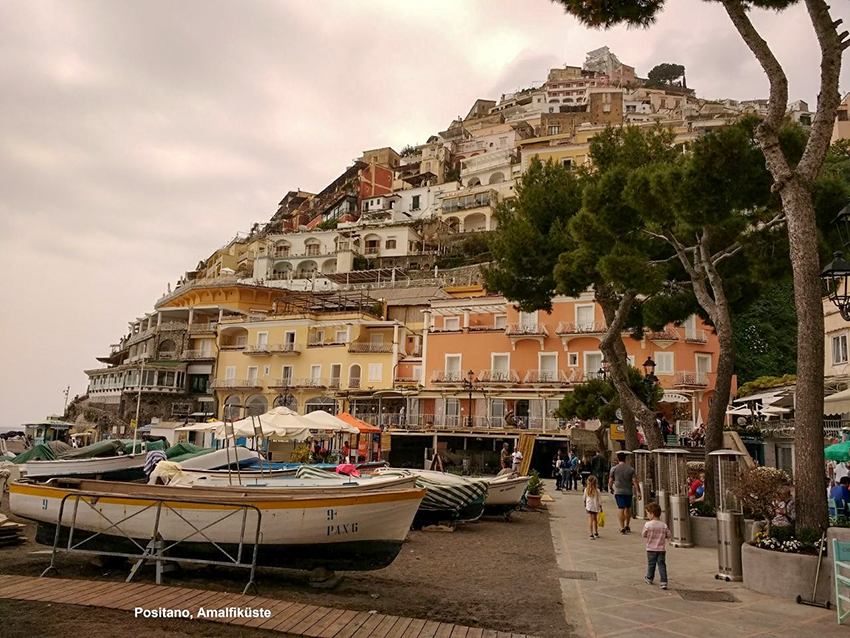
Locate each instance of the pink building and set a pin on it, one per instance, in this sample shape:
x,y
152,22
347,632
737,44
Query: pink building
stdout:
x,y
505,360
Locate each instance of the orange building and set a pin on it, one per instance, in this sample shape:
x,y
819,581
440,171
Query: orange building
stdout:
x,y
525,363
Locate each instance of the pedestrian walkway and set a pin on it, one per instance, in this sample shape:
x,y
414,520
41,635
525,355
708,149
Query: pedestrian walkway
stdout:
x,y
604,593
287,617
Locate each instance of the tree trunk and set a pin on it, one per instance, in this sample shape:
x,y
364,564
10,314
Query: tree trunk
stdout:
x,y
629,427
809,474
614,351
722,390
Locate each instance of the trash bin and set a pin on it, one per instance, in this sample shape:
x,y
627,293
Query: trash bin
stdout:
x,y
730,514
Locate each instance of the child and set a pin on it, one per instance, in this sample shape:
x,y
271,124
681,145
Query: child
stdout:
x,y
656,534
593,505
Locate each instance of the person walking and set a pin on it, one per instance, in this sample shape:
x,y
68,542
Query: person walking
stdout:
x,y
597,468
516,460
592,505
572,477
505,457
584,470
622,480
656,534
556,471
564,473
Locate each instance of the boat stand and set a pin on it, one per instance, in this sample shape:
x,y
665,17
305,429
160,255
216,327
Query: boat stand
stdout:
x,y
157,547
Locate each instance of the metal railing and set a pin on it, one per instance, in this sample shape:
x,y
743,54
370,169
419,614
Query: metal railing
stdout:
x,y
582,328
309,382
696,336
354,383
498,377
261,349
558,377
518,330
235,383
280,383
164,355
463,421
696,379
198,354
232,346
284,348
366,347
668,334
158,547
202,328
446,376
325,343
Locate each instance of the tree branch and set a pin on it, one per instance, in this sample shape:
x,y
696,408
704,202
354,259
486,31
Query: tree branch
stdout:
x,y
681,251
831,49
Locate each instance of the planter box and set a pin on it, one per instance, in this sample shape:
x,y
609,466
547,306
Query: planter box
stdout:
x,y
704,531
843,536
785,575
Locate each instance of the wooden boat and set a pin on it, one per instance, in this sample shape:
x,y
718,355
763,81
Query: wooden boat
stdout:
x,y
129,466
339,531
449,497
505,491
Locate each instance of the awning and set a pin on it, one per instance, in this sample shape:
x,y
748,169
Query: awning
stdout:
x,y
838,403
365,428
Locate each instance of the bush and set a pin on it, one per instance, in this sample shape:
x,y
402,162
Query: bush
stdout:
x,y
781,534
789,546
808,536
702,508
301,454
759,489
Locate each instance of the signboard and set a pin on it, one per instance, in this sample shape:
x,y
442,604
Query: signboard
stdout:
x,y
386,439
618,432
674,397
132,424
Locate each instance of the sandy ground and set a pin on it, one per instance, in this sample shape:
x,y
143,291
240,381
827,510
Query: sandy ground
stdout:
x,y
489,574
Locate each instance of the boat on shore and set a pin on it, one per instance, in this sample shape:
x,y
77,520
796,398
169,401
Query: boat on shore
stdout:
x,y
505,492
131,466
450,497
337,530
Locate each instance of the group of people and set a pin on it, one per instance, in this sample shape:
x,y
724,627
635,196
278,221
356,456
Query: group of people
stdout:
x,y
568,470
623,483
839,490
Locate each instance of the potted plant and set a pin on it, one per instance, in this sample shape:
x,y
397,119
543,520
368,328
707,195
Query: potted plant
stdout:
x,y
534,490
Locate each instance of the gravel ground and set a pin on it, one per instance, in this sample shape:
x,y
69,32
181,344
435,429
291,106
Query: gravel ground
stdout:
x,y
489,574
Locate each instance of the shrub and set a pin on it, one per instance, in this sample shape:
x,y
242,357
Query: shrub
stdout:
x,y
759,489
781,534
301,454
702,508
808,536
790,545
535,485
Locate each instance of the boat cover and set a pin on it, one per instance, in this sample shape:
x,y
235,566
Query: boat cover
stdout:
x,y
40,452
101,449
184,448
59,446
450,496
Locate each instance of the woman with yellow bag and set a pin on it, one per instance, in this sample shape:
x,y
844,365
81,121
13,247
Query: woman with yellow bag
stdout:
x,y
593,505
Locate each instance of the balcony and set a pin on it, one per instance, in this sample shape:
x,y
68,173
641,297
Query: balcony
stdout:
x,y
695,336
690,380
366,347
468,202
517,332
447,377
284,348
546,377
407,381
166,355
584,328
259,350
235,384
663,337
498,377
232,346
310,382
324,344
172,325
207,328
276,384
354,383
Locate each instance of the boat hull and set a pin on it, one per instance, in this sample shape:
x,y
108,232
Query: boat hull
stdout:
x,y
351,531
506,492
128,466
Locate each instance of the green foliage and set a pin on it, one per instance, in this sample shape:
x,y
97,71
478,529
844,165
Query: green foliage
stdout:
x,y
328,224
535,486
548,196
637,13
702,508
765,383
359,263
300,454
667,74
766,335
808,536
473,248
407,151
453,174
781,534
597,399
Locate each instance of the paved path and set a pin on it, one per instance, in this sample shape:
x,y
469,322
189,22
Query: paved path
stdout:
x,y
620,603
287,617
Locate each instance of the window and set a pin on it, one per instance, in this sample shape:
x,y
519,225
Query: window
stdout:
x,y
664,363
417,373
198,383
375,371
451,323
390,244
453,367
376,337
341,336
567,162
230,372
336,373
252,373
528,321
266,370
703,363
584,317
318,336
497,411
242,341
289,337
286,374
262,340
414,202
592,363
548,366
554,130
315,372
572,359
499,365
500,321
839,349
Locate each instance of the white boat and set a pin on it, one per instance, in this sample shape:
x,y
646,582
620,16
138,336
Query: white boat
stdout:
x,y
505,491
450,496
130,466
341,531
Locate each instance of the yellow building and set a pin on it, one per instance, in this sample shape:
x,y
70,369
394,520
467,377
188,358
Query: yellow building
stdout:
x,y
306,360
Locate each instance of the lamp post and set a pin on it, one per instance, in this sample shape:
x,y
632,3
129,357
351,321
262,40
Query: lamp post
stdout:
x,y
469,384
603,370
649,378
836,274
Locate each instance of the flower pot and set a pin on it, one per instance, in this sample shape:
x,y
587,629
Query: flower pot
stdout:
x,y
533,500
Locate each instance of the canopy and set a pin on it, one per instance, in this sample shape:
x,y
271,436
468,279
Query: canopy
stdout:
x,y
365,428
278,423
839,452
838,403
200,427
334,424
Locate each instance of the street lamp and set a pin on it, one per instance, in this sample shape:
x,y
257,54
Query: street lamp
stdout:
x,y
469,384
836,279
649,378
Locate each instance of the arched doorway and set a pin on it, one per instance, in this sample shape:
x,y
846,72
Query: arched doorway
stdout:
x,y
286,401
232,409
256,405
496,178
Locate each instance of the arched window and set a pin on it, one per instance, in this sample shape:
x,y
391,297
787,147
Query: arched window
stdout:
x,y
474,182
256,405
354,376
496,177
286,401
232,407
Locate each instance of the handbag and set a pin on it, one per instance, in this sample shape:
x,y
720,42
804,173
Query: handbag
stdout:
x,y
600,519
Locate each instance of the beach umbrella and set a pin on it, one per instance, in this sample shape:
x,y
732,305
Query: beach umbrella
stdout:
x,y
330,423
839,452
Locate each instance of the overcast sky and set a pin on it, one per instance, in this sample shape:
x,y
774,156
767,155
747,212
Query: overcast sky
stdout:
x,y
138,136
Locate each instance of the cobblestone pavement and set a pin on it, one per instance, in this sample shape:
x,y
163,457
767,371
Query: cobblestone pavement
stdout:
x,y
620,603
